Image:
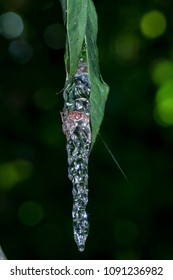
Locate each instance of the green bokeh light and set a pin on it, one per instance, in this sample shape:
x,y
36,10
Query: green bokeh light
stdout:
x,y
153,24
8,176
24,169
30,213
163,111
21,51
126,46
14,172
54,36
162,70
11,25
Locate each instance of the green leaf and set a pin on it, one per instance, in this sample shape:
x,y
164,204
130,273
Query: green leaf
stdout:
x,y
99,89
76,19
81,23
64,9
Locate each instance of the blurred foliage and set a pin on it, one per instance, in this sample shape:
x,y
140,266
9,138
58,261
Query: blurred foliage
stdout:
x,y
127,221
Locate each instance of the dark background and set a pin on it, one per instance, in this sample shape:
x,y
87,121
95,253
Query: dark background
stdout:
x,y
127,220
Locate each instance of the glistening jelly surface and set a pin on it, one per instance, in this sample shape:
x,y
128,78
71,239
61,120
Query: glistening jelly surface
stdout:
x,y
76,126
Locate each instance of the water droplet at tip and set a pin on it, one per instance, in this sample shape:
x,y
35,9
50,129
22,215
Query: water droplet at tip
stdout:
x,y
81,248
